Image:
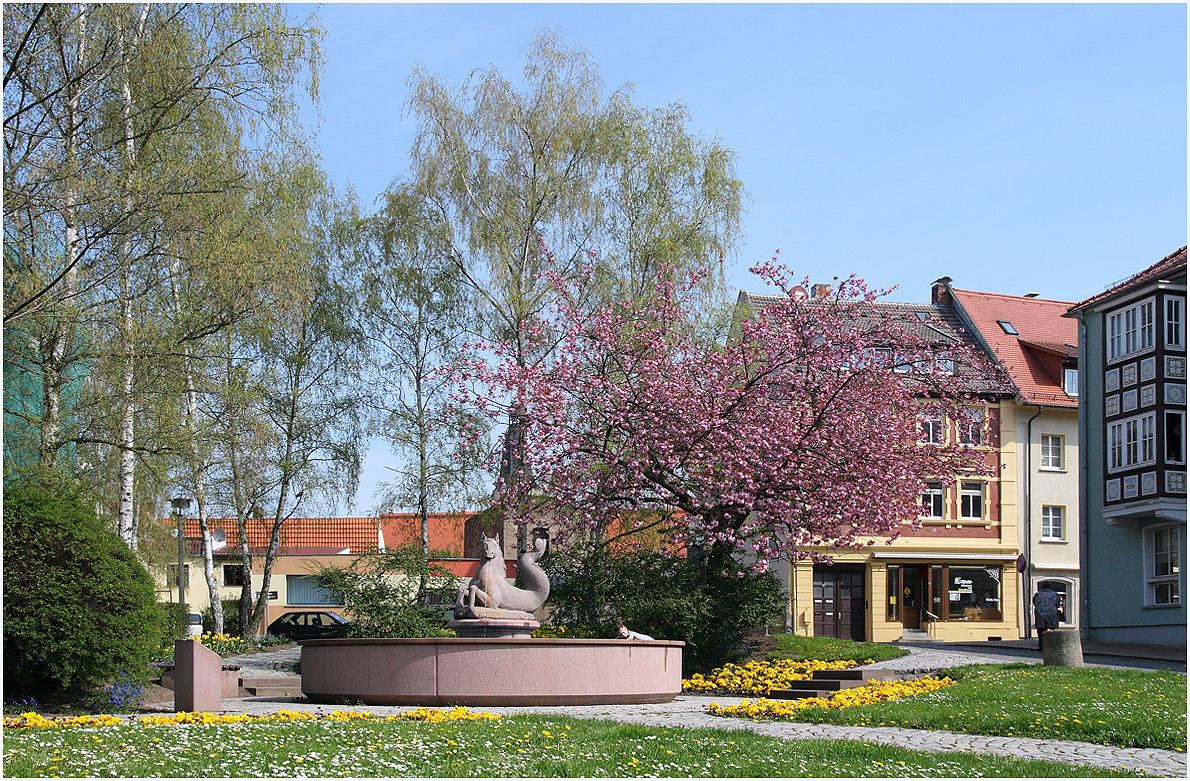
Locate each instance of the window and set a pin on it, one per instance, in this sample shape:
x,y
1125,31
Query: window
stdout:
x,y
1070,381
304,590
1132,442
1162,565
1130,330
1053,522
1007,328
233,574
944,366
173,575
931,430
1175,324
971,502
931,500
1175,443
974,594
971,427
894,592
1052,451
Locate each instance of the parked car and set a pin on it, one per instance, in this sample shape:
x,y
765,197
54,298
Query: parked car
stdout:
x,y
194,630
309,625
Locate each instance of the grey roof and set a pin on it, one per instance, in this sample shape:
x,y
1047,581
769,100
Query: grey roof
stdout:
x,y
937,324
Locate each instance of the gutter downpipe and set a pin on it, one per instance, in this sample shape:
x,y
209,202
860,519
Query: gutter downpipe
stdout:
x,y
1027,574
1084,548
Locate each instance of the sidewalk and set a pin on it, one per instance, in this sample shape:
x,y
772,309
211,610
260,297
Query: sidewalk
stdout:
x,y
1171,656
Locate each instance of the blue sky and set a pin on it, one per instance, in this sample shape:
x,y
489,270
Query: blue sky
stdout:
x,y
1014,148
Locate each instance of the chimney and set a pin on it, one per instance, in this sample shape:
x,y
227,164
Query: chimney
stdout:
x,y
940,292
820,291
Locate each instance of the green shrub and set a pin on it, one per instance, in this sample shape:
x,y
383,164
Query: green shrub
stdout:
x,y
231,618
392,593
175,621
708,603
78,607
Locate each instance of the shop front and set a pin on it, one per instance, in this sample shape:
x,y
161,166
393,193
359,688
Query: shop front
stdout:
x,y
884,596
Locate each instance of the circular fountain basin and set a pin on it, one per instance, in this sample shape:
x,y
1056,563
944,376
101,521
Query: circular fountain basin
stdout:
x,y
477,671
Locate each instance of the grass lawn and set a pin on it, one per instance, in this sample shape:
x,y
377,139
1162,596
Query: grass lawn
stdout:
x,y
830,649
520,746
1126,708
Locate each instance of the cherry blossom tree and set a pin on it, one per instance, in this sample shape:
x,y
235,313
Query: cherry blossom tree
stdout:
x,y
802,431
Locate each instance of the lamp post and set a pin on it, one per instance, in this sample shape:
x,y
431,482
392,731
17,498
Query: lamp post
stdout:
x,y
180,505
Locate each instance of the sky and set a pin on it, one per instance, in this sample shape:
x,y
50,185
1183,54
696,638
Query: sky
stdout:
x,y
1014,148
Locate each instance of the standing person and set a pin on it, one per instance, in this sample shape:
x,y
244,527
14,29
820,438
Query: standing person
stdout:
x,y
1045,612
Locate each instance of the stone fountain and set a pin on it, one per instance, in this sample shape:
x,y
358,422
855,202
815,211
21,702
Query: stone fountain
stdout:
x,y
493,660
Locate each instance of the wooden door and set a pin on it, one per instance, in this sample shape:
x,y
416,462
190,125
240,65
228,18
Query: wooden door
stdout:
x,y
839,601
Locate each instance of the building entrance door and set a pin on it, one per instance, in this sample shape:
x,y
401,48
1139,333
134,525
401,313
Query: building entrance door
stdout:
x,y
839,601
914,587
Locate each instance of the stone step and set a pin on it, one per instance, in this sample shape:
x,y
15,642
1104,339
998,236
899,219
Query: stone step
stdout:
x,y
798,694
854,674
288,686
826,684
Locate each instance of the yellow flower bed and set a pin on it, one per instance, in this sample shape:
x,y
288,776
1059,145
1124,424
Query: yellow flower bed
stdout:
x,y
876,691
759,677
434,716
38,721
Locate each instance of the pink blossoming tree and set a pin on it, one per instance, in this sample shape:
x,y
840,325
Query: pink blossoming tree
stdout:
x,y
801,431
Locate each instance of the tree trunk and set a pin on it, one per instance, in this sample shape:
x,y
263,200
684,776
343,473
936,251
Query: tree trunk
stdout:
x,y
125,521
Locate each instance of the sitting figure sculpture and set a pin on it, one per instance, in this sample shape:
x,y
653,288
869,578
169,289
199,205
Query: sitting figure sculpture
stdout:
x,y
490,595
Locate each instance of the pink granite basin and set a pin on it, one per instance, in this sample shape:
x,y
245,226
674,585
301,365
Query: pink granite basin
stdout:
x,y
490,671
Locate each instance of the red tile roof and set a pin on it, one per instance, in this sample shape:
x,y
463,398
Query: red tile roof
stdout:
x,y
1033,359
1168,265
354,535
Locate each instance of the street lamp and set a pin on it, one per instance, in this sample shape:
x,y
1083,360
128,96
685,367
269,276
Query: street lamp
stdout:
x,y
180,505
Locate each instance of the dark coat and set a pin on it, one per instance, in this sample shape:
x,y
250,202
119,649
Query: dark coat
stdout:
x,y
1045,609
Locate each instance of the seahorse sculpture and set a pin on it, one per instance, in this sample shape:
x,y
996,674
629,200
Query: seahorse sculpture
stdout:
x,y
489,595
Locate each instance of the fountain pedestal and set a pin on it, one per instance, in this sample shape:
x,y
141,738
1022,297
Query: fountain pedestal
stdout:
x,y
493,627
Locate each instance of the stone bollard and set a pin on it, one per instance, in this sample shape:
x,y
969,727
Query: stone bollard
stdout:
x,y
198,678
1062,648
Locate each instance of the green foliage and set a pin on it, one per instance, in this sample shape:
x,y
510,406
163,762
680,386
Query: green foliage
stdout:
x,y
831,649
708,603
78,607
389,593
175,621
231,617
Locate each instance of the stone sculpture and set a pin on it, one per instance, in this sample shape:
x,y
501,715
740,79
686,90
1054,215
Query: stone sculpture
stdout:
x,y
490,595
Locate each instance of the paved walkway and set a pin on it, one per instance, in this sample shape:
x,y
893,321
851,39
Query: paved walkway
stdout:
x,y
689,711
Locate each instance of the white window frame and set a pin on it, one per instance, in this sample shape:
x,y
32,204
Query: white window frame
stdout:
x,y
933,429
1175,434
933,495
1070,381
1163,571
971,429
1132,442
1175,322
327,598
1131,330
1053,451
1070,601
969,491
1050,512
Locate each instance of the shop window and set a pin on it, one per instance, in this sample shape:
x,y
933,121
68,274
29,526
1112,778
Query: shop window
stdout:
x,y
1052,451
233,574
894,593
971,502
1162,566
931,500
1053,522
974,594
